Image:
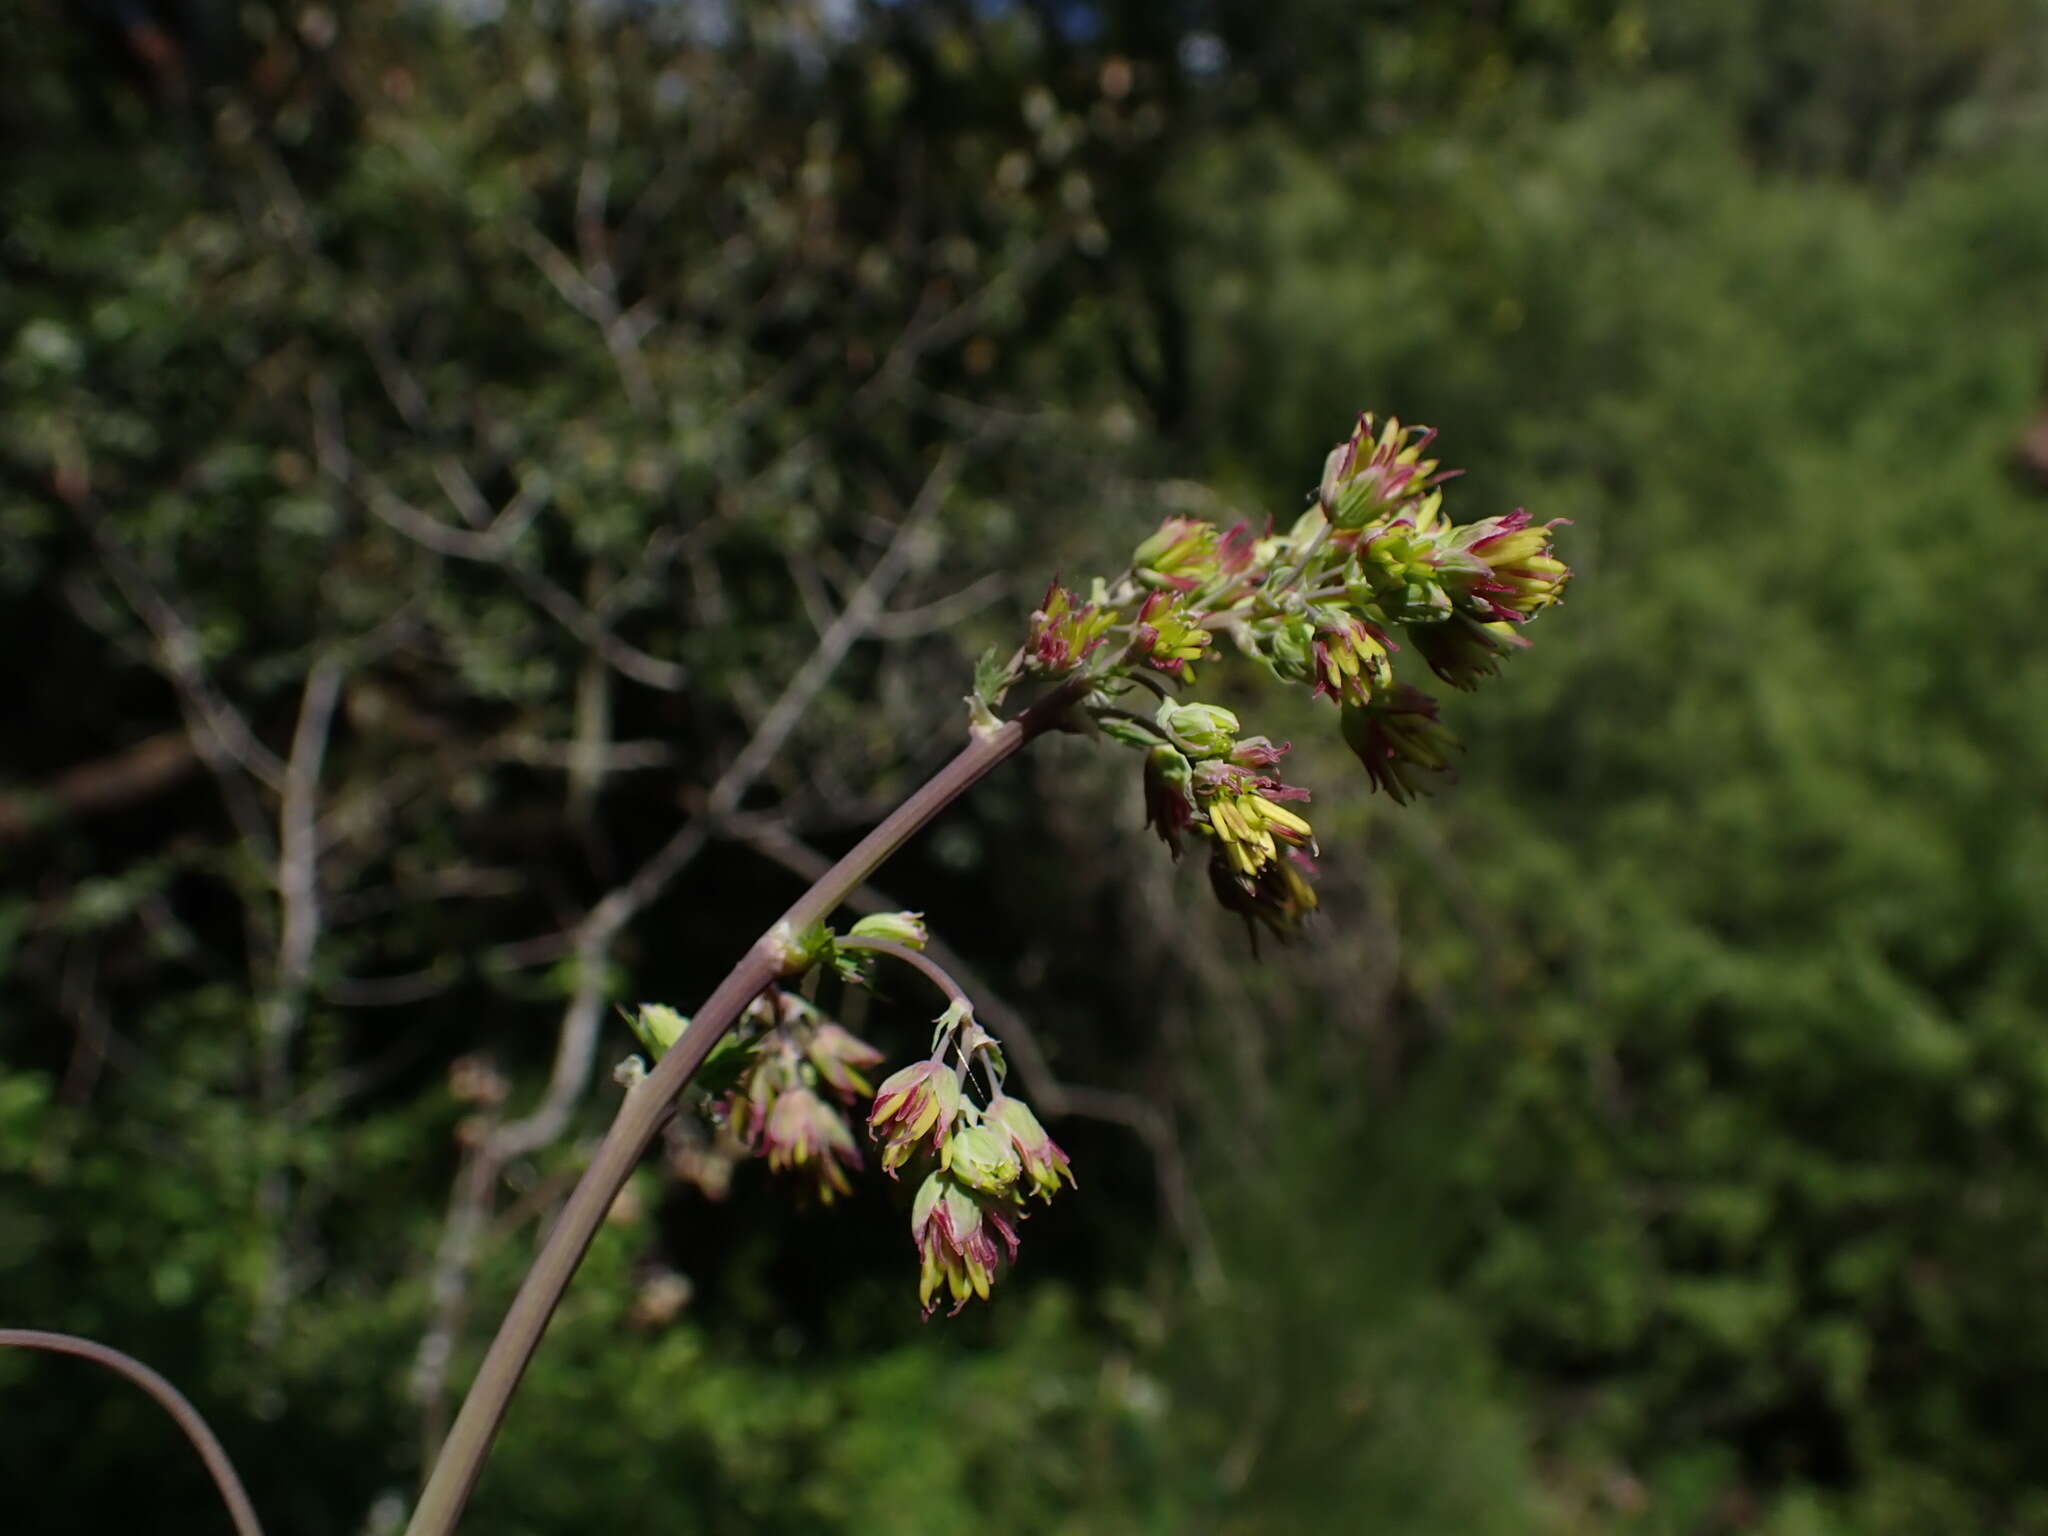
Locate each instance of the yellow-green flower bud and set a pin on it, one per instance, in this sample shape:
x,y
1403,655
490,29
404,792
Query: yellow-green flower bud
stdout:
x,y
905,928
981,1159
658,1027
1200,730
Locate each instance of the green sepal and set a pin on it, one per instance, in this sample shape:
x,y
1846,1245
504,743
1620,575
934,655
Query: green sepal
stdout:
x,y
657,1026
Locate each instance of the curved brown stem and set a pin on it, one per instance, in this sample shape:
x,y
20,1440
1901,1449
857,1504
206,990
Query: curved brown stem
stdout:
x,y
174,1402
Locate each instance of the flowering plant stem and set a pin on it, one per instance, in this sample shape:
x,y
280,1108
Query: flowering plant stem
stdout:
x,y
646,1106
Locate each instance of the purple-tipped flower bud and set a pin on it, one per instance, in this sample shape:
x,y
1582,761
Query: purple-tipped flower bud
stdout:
x,y
1398,739
1278,897
1064,632
1372,475
1519,576
1350,661
905,928
956,1230
918,1104
1256,752
1169,809
1181,555
1044,1164
1167,638
1463,651
840,1057
806,1134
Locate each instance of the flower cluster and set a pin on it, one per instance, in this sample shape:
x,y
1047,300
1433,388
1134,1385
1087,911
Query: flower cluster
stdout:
x,y
1372,571
778,1087
983,1158
779,1084
1373,568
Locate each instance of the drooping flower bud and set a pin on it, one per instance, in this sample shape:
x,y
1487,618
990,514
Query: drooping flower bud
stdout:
x,y
1288,645
955,1230
840,1056
918,1104
1044,1164
805,1134
1278,897
1169,808
1398,738
1242,813
1464,651
905,928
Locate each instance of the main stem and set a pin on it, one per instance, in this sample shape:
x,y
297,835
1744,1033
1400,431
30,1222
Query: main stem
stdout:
x,y
645,1107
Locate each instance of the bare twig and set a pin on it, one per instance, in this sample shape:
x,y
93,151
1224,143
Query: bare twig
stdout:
x,y
299,927
135,773
940,613
490,536
219,732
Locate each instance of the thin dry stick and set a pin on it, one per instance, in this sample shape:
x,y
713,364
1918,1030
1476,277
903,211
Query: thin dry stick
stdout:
x,y
299,929
174,1402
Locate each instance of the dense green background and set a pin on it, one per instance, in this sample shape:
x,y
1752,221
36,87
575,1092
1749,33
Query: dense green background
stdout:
x,y
1654,1137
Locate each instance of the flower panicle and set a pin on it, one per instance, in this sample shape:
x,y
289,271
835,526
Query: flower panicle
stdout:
x,y
771,1088
981,1159
1320,605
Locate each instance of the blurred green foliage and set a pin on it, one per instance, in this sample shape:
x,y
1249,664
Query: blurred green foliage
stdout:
x,y
1655,1136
